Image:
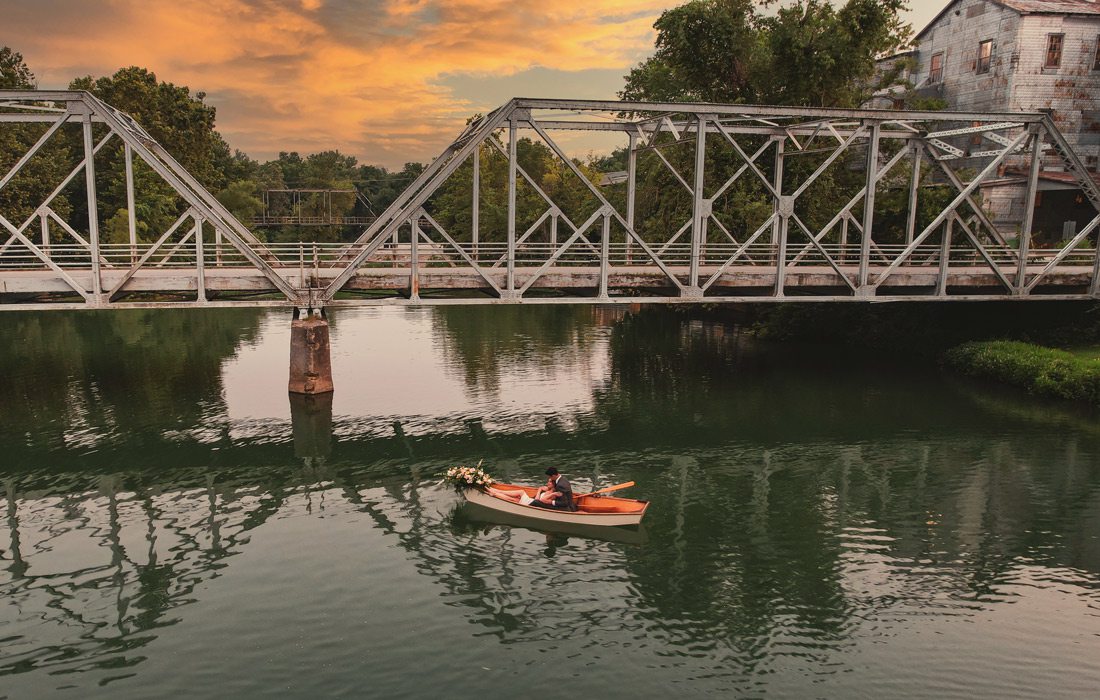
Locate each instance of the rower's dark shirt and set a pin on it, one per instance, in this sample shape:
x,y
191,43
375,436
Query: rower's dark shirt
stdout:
x,y
562,486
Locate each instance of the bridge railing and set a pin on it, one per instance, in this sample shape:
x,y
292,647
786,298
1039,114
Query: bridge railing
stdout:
x,y
493,256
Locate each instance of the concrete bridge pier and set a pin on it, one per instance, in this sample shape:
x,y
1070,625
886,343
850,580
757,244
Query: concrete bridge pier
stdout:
x,y
310,363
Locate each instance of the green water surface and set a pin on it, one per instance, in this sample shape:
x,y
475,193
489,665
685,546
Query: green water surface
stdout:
x,y
821,524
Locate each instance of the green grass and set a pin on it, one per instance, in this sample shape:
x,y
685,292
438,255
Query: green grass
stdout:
x,y
1086,352
1065,374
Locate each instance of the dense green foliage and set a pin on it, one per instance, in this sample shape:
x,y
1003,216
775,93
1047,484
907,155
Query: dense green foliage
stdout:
x,y
806,53
1038,369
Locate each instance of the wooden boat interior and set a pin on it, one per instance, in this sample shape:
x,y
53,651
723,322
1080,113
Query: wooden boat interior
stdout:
x,y
589,504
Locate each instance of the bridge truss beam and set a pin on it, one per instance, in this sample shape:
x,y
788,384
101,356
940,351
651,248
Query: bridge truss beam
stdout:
x,y
715,203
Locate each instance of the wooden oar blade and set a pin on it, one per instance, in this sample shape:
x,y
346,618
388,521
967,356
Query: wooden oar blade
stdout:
x,y
616,487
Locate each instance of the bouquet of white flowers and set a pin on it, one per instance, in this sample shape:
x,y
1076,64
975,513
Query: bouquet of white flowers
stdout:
x,y
468,477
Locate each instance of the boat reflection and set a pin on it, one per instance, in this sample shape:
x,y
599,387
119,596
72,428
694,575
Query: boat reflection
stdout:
x,y
473,513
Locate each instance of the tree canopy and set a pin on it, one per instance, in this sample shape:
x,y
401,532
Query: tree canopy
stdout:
x,y
806,52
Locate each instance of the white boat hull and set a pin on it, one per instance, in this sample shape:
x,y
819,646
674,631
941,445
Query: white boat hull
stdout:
x,y
552,516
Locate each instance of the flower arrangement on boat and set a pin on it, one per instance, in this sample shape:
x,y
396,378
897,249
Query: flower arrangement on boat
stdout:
x,y
463,478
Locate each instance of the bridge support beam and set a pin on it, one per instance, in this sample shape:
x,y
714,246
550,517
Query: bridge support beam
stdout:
x,y
310,363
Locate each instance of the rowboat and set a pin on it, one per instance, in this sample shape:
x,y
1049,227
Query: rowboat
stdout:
x,y
625,534
592,509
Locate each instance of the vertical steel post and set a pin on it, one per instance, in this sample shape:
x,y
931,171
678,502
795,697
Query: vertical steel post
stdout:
x,y
605,254
914,193
698,231
511,282
1024,246
414,258
869,207
1094,286
554,230
217,247
93,211
631,189
781,255
844,236
44,223
475,205
945,255
131,214
777,183
200,262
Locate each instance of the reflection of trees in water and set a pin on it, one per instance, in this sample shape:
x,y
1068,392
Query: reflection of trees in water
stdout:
x,y
486,341
100,616
788,505
781,458
84,377
747,551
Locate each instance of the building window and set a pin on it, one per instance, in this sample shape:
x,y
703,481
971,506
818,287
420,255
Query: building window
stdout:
x,y
1096,65
935,72
985,56
1054,50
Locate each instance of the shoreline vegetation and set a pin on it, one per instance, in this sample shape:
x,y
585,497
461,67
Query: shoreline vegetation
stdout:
x,y
1046,348
1040,370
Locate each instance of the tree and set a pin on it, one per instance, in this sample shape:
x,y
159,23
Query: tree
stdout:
x,y
730,51
806,52
14,73
183,124
30,187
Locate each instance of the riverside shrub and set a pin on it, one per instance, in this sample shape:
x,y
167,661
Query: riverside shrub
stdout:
x,y
1038,369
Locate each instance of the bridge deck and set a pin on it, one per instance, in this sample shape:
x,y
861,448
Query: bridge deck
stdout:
x,y
578,282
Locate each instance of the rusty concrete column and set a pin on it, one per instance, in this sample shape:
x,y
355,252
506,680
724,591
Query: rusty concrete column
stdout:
x,y
310,365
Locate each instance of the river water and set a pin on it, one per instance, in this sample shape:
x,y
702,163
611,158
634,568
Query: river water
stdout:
x,y
820,525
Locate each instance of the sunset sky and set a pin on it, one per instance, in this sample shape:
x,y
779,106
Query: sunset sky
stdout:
x,y
387,81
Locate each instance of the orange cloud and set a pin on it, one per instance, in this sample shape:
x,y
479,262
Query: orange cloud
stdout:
x,y
364,77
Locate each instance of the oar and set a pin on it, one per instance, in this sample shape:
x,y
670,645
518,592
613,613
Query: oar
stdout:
x,y
616,487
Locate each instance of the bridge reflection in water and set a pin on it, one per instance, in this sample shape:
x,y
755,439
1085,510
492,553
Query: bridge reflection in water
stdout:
x,y
794,520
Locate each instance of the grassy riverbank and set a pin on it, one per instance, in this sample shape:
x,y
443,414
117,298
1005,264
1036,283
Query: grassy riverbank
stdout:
x,y
1064,374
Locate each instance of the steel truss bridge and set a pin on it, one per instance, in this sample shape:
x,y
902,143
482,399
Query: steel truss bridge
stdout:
x,y
752,226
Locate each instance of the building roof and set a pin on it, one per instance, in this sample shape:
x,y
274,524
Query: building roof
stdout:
x,y
1031,7
1052,7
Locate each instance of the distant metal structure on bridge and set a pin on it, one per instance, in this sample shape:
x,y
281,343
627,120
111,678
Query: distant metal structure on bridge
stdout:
x,y
589,248
292,211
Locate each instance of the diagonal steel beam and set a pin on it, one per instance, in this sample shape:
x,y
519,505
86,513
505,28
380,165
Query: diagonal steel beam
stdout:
x,y
847,208
495,143
33,150
1066,250
982,251
820,249
465,256
45,259
750,162
946,213
114,291
561,250
737,254
829,161
978,211
410,201
599,195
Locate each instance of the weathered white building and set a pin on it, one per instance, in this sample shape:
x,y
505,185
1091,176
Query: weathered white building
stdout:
x,y
1021,55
